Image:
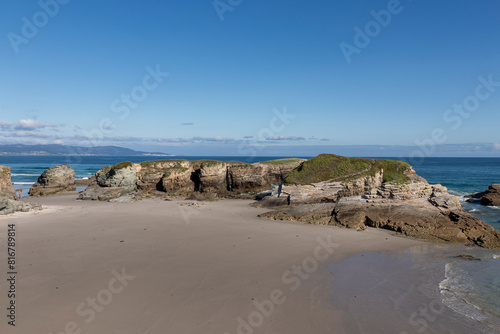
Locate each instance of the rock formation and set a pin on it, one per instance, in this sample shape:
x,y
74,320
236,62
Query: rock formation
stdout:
x,y
54,180
361,193
8,200
8,206
202,179
6,189
490,197
112,182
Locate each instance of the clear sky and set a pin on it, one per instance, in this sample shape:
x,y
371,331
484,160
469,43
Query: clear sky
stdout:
x,y
237,76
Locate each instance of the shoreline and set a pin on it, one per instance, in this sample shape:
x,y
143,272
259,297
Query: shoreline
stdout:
x,y
198,267
410,291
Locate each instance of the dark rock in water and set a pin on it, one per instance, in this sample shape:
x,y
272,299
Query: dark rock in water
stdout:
x,y
490,197
54,180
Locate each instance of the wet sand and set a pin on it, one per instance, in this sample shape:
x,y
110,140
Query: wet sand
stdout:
x,y
178,267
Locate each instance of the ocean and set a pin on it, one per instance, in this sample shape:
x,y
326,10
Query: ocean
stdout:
x,y
470,289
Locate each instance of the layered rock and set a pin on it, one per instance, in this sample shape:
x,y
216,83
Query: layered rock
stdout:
x,y
112,182
490,197
6,189
212,176
54,180
397,200
177,179
259,177
182,177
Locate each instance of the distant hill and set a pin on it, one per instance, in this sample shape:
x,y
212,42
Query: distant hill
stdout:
x,y
19,149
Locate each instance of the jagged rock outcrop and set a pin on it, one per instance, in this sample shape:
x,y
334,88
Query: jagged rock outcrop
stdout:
x,y
54,180
490,197
387,195
6,189
8,200
177,177
112,182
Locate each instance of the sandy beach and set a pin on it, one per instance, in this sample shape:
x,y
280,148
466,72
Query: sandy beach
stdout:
x,y
179,266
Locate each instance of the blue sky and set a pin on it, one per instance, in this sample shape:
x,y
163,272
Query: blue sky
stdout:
x,y
80,72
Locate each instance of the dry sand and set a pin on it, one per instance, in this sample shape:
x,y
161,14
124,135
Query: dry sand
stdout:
x,y
175,267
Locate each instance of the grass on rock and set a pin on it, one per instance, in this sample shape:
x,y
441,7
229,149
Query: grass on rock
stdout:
x,y
122,165
326,167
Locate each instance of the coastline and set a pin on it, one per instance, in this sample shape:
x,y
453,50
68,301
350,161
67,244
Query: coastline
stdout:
x,y
197,267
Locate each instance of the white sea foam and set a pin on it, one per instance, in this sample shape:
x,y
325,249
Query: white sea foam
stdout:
x,y
465,294
21,183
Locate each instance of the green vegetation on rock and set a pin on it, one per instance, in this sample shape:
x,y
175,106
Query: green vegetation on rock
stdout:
x,y
151,163
104,169
282,161
394,170
326,167
122,165
176,168
147,163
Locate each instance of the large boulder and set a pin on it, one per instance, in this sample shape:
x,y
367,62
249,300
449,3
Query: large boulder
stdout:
x,y
6,189
54,180
490,197
112,182
122,174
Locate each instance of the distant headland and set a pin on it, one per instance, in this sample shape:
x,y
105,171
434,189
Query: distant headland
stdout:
x,y
56,149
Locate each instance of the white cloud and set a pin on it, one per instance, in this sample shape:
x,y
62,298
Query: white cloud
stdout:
x,y
31,125
285,138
